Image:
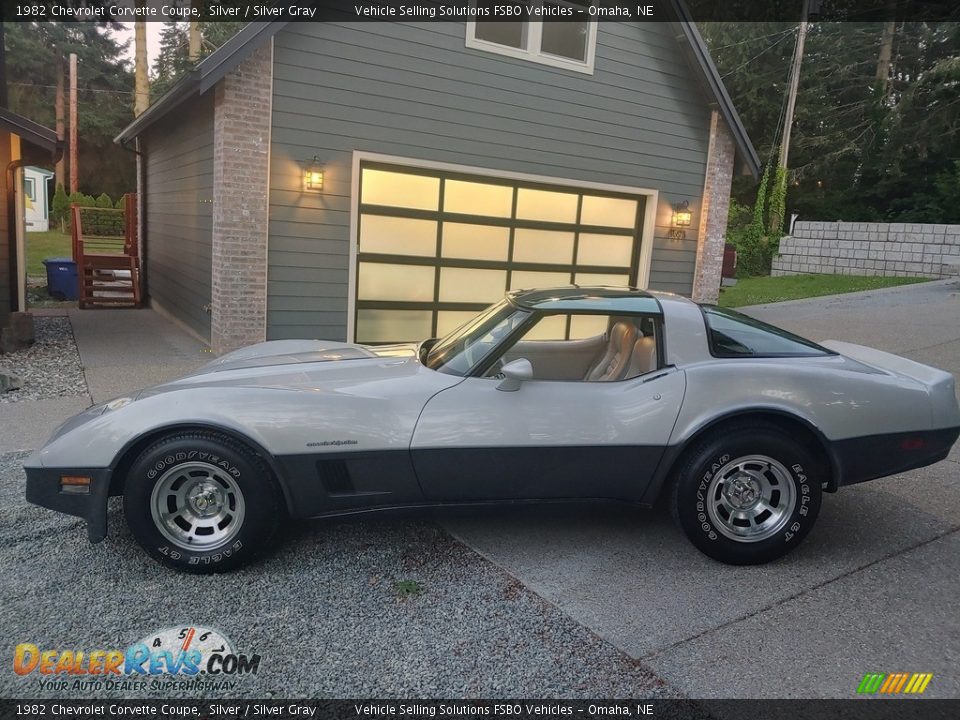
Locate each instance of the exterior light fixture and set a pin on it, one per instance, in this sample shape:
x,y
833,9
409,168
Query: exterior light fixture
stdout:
x,y
681,219
313,176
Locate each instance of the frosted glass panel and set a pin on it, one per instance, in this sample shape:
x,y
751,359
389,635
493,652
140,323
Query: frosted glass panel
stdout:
x,y
587,326
612,212
525,279
593,249
382,187
543,246
602,279
475,242
408,283
450,320
546,205
460,196
468,285
552,327
399,236
393,325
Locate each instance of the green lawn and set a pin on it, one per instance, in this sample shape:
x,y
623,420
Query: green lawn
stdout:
x,y
42,245
757,290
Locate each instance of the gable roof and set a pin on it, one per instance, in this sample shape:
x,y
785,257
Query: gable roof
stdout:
x,y
212,69
29,131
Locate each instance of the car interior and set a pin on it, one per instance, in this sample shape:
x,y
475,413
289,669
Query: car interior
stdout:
x,y
625,350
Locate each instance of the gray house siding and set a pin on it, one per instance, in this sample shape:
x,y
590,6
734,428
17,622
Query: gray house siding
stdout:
x,y
415,91
179,186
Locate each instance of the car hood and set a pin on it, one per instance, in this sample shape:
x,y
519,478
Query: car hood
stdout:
x,y
299,365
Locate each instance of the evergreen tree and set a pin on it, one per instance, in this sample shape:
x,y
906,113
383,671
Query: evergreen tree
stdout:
x,y
172,61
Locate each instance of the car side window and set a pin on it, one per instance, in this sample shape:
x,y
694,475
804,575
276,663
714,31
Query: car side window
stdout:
x,y
585,347
732,334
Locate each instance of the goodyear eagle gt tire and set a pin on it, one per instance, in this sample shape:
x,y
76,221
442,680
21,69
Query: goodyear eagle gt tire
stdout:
x,y
201,502
748,494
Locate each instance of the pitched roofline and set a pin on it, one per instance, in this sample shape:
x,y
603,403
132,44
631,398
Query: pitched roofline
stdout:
x,y
204,76
28,130
238,48
714,85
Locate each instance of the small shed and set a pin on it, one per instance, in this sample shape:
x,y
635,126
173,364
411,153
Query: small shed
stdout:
x,y
36,198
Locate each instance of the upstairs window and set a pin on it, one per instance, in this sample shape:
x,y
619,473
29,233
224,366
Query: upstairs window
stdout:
x,y
536,34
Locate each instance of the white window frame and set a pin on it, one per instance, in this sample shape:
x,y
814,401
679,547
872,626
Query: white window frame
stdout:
x,y
533,36
29,189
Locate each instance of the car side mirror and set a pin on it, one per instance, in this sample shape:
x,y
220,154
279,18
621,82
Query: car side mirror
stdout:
x,y
514,373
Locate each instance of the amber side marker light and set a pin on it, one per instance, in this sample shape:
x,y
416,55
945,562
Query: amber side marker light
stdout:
x,y
76,484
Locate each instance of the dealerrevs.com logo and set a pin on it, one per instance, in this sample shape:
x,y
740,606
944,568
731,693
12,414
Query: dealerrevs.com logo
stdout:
x,y
181,658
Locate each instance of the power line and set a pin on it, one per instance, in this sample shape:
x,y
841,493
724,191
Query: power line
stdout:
x,y
83,90
762,52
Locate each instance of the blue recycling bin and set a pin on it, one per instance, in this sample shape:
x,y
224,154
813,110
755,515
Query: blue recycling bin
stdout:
x,y
62,278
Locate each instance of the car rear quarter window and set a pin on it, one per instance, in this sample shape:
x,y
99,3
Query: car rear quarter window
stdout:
x,y
733,335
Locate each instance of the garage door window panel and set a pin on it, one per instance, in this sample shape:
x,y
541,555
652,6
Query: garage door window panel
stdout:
x,y
463,240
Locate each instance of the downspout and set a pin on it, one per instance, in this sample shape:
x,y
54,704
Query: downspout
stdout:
x,y
141,210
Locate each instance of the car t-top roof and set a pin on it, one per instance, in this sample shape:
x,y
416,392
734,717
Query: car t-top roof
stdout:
x,y
586,299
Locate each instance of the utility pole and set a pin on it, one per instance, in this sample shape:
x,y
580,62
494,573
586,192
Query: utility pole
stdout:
x,y
776,223
794,84
141,84
59,175
74,165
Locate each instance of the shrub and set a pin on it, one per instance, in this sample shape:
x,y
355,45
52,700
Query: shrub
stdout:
x,y
60,209
104,201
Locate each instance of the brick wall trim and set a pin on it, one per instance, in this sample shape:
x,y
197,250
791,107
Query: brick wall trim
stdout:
x,y
714,208
242,119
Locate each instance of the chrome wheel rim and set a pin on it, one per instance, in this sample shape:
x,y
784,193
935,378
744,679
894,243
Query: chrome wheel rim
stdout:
x,y
197,506
751,498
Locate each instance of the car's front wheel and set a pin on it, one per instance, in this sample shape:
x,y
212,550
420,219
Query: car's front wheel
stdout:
x,y
749,494
201,502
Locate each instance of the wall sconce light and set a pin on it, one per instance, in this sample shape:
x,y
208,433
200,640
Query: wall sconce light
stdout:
x,y
313,176
681,219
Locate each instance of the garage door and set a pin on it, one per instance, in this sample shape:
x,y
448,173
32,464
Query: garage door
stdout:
x,y
436,247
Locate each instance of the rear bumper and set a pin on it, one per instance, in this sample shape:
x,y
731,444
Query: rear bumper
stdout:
x,y
44,489
875,456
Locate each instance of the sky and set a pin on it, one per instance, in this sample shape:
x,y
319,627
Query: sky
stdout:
x,y
153,39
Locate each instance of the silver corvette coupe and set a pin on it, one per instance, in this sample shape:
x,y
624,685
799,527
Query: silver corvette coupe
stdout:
x,y
577,393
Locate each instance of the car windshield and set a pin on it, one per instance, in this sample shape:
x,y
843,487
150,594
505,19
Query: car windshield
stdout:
x,y
734,334
466,346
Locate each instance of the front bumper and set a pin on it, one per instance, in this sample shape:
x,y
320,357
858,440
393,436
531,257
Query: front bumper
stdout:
x,y
44,488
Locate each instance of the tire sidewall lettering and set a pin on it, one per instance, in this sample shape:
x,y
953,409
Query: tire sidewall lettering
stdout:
x,y
701,493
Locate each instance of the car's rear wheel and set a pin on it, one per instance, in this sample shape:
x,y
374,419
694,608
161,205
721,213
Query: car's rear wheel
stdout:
x,y
201,502
748,494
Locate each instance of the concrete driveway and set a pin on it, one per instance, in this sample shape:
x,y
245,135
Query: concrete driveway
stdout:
x,y
872,589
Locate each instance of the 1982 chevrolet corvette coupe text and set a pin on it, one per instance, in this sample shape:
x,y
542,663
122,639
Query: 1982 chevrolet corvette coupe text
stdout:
x,y
561,394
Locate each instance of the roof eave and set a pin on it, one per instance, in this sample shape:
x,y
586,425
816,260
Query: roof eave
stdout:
x,y
204,76
715,87
29,131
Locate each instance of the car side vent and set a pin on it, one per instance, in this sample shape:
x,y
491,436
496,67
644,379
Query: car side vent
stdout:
x,y
335,476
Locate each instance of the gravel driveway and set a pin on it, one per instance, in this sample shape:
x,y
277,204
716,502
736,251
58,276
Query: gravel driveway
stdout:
x,y
324,612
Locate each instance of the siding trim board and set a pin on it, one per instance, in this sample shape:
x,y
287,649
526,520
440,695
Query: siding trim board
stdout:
x,y
644,253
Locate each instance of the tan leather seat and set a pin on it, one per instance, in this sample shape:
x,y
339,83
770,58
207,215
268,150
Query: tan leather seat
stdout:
x,y
615,360
644,357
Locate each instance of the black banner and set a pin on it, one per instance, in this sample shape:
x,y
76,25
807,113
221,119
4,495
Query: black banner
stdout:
x,y
483,10
854,709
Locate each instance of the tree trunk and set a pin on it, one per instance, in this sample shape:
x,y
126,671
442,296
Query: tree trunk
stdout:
x,y
884,59
194,41
142,85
